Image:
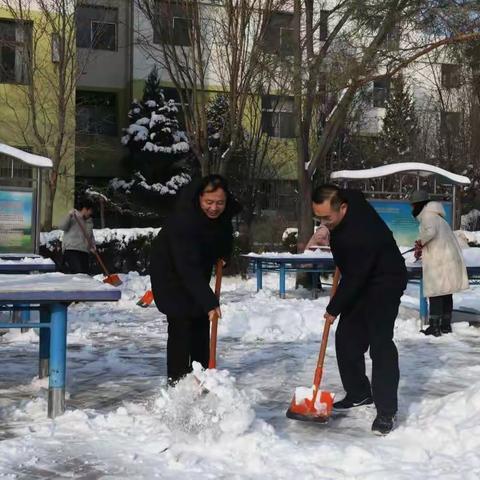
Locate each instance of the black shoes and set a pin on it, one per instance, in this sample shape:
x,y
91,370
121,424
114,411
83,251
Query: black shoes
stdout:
x,y
383,424
446,325
434,326
346,403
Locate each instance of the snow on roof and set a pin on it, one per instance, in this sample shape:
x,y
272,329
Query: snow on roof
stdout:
x,y
421,169
30,158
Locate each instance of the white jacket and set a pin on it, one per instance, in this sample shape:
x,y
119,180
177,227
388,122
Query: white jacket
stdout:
x,y
444,270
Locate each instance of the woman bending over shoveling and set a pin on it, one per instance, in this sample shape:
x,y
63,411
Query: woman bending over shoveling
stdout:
x,y
197,233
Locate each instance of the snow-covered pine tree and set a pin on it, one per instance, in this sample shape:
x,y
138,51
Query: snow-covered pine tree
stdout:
x,y
398,138
160,159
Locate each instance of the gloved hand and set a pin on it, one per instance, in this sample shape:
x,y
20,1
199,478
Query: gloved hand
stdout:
x,y
418,249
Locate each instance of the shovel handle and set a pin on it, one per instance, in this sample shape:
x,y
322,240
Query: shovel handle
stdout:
x,y
92,247
212,362
326,330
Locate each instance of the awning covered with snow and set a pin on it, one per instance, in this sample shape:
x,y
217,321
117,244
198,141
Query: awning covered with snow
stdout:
x,y
408,168
25,157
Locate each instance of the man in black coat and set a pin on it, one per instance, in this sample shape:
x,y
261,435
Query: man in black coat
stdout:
x,y
197,233
373,278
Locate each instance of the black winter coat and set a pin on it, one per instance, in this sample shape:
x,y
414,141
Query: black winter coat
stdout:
x,y
184,253
366,253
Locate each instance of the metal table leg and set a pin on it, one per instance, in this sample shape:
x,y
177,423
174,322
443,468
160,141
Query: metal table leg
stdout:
x,y
423,306
282,280
258,268
58,358
44,344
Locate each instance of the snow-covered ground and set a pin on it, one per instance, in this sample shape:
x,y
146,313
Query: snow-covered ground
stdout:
x,y
121,421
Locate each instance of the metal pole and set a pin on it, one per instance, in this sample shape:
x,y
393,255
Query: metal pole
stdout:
x,y
58,359
454,207
38,202
44,344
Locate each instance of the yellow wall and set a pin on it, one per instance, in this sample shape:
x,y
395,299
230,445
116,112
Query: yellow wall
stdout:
x,y
16,127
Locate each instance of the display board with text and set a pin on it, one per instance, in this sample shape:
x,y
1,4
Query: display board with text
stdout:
x,y
17,214
397,214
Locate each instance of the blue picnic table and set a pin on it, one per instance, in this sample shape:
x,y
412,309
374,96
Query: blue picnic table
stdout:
x,y
12,263
313,262
322,262
51,294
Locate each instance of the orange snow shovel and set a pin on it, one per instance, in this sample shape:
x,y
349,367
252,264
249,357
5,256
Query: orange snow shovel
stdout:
x,y
316,405
212,363
112,279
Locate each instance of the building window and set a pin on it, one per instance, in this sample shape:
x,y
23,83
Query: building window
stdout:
x,y
104,36
323,26
450,123
172,24
279,35
450,75
392,39
381,91
277,116
15,51
96,113
55,39
97,27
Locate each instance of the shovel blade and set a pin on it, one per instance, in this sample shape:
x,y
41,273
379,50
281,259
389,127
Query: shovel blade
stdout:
x,y
308,411
113,279
146,299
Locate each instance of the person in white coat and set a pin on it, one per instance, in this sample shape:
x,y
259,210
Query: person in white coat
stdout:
x,y
444,271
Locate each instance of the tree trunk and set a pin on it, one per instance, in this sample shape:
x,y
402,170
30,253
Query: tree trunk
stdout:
x,y
49,197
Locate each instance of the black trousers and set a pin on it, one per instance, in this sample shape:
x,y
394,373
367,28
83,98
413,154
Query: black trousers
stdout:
x,y
188,342
76,261
442,305
369,325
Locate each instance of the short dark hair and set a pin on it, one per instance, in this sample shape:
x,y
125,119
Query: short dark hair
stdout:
x,y
85,202
211,183
329,192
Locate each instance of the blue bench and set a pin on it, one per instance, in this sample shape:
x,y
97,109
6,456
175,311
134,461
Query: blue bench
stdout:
x,y
51,294
314,263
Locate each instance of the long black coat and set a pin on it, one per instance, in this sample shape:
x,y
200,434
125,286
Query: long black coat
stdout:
x,y
184,253
366,253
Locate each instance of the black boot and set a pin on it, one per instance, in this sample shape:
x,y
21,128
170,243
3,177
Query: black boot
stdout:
x,y
383,424
446,326
434,326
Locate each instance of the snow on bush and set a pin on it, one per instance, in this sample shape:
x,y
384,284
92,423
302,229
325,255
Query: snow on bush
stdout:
x,y
102,235
139,182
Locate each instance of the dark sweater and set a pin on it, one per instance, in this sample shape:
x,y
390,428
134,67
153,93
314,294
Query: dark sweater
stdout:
x,y
365,251
184,253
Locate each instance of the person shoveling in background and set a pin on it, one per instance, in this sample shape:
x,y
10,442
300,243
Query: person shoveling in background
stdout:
x,y
75,246
320,238
373,278
197,233
444,271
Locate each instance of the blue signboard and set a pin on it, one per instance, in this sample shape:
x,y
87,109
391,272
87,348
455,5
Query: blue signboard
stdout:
x,y
16,220
397,214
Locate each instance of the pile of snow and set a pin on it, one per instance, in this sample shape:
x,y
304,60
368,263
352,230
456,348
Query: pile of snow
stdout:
x,y
103,235
206,402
